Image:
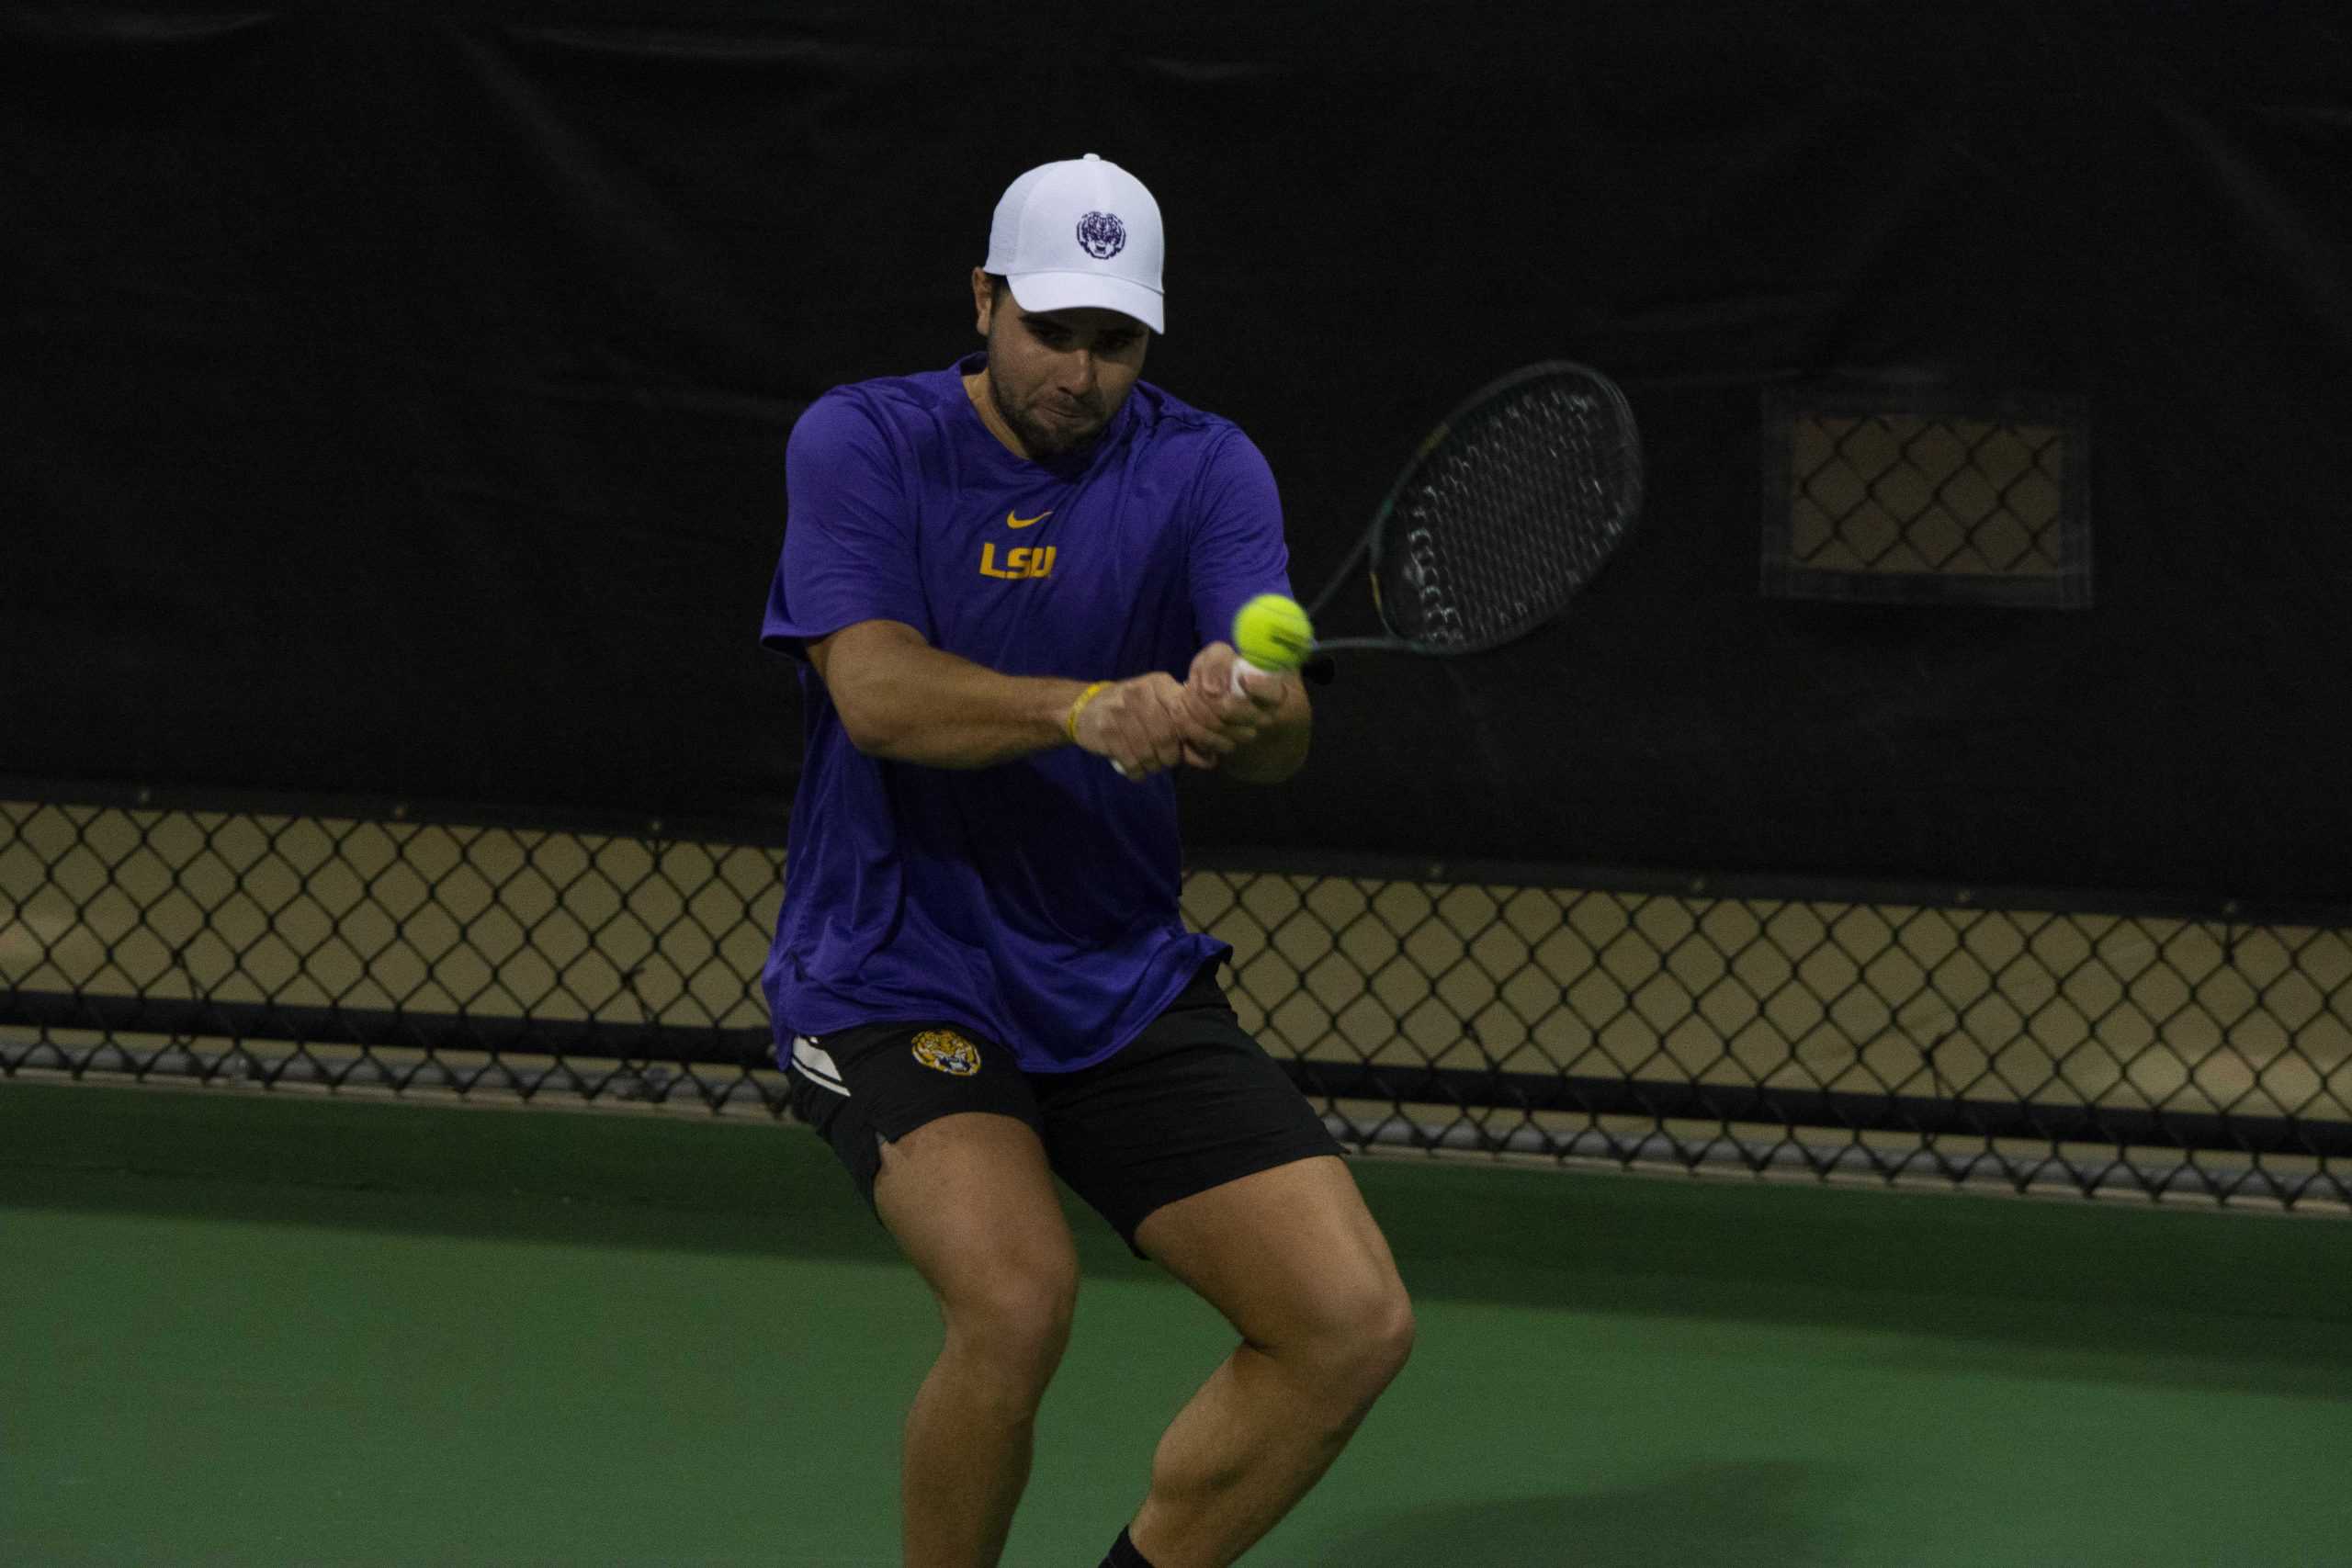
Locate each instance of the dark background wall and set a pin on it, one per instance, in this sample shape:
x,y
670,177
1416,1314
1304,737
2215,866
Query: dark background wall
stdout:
x,y
395,394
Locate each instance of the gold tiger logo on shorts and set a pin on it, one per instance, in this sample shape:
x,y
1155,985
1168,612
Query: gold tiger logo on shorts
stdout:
x,y
944,1051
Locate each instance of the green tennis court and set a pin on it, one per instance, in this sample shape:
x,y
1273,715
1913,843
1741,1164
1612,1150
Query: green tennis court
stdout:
x,y
280,1328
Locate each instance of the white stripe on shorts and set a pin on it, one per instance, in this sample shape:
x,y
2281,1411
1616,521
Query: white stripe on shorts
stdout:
x,y
818,1064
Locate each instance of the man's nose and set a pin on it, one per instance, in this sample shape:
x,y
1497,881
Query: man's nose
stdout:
x,y
1078,371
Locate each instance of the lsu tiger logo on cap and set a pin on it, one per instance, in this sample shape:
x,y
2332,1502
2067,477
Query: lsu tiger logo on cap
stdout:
x,y
944,1051
1103,235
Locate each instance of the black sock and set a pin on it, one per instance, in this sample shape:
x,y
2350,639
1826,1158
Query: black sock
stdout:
x,y
1124,1555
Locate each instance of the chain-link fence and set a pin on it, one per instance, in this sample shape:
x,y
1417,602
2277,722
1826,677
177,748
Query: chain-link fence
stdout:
x,y
1642,1022
1913,496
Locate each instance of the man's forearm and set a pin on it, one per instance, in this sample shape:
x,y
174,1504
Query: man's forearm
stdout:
x,y
916,704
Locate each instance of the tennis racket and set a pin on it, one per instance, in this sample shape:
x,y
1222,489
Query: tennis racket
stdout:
x,y
1504,514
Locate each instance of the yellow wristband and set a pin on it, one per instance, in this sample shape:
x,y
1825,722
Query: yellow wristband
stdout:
x,y
1084,697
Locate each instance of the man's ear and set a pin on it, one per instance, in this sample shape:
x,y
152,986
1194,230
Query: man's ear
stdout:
x,y
983,300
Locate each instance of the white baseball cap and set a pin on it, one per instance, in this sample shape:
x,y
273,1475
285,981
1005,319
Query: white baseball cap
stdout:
x,y
1080,232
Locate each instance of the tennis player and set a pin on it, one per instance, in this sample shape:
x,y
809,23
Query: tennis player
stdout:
x,y
1007,581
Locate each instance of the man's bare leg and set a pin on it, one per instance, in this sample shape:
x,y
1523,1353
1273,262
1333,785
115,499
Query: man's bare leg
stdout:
x,y
1295,1261
971,1200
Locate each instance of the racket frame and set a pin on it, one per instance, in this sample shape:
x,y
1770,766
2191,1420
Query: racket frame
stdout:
x,y
1375,538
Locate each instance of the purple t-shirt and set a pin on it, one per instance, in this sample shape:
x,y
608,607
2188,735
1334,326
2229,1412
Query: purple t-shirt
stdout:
x,y
1034,902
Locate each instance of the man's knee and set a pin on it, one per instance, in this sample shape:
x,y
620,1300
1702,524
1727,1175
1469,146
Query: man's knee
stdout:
x,y
1381,1340
1013,1316
1355,1342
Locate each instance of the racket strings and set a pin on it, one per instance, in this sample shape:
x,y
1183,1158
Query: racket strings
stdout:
x,y
1510,515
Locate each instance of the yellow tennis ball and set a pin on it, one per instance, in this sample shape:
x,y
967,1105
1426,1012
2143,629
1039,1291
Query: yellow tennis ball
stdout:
x,y
1273,633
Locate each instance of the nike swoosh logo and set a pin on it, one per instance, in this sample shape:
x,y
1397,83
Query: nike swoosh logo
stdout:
x,y
1012,522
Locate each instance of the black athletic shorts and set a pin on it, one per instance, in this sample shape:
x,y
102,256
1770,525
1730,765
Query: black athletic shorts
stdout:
x,y
1189,1104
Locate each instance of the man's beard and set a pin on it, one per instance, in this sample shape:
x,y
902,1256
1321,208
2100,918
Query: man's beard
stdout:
x,y
1042,440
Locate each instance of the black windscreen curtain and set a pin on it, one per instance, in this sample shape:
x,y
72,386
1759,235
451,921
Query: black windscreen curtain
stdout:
x,y
397,395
